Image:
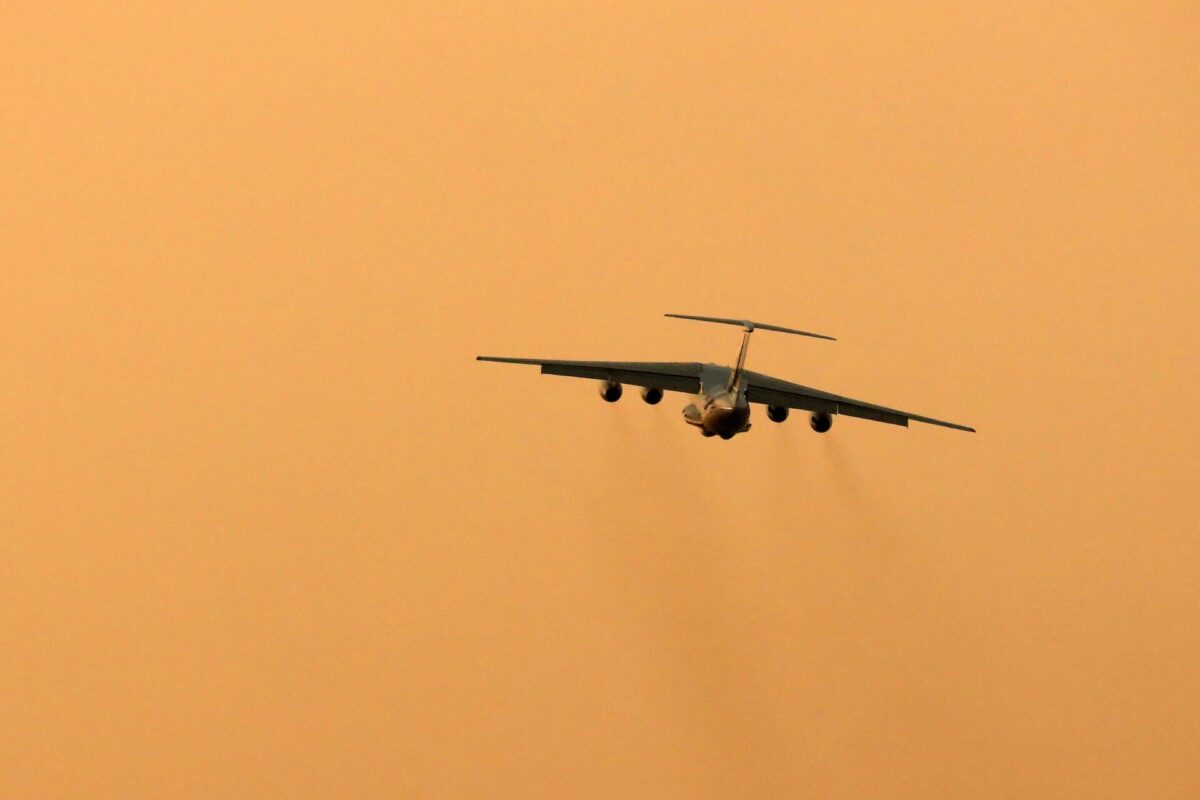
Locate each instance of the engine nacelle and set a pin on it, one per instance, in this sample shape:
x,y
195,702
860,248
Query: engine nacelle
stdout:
x,y
652,394
821,421
610,391
777,413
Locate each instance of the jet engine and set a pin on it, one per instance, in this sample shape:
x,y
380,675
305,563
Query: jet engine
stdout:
x,y
821,421
652,394
610,391
777,413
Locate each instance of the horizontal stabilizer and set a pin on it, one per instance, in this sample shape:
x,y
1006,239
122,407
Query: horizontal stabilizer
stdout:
x,y
749,325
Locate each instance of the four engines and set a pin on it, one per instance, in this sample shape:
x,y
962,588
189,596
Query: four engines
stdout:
x,y
611,391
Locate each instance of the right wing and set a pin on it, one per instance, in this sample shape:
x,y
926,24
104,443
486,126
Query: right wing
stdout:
x,y
669,375
775,392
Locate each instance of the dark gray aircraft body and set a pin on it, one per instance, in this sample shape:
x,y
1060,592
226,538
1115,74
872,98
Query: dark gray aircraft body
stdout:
x,y
724,394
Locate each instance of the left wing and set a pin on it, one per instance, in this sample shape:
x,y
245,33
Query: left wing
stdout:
x,y
670,375
774,392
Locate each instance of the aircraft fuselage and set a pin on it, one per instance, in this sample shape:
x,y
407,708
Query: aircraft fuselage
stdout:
x,y
719,409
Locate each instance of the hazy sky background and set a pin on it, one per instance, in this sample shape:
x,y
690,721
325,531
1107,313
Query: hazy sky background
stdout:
x,y
267,530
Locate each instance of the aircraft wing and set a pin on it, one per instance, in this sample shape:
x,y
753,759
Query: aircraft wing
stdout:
x,y
670,375
774,392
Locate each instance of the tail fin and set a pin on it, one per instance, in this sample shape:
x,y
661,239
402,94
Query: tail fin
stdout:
x,y
749,326
735,377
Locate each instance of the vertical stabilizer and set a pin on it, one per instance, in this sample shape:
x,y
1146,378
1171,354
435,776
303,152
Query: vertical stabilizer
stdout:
x,y
736,376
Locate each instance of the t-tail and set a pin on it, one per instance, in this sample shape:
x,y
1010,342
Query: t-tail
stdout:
x,y
749,327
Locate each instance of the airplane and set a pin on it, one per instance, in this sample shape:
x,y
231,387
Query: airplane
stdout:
x,y
724,394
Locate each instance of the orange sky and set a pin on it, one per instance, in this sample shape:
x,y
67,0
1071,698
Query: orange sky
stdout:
x,y
267,530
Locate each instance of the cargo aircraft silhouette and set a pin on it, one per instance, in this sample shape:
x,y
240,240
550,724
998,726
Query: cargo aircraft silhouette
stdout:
x,y
724,395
